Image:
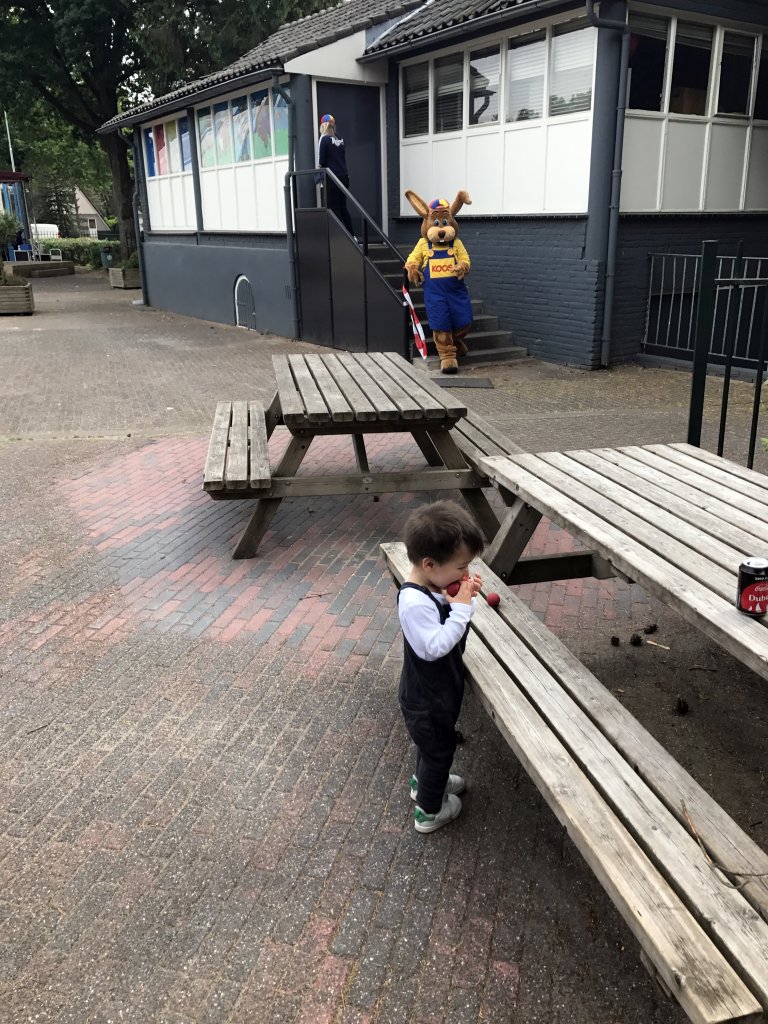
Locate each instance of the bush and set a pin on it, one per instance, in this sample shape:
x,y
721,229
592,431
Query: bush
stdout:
x,y
85,252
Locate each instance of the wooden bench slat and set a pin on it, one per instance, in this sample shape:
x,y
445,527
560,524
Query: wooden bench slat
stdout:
x,y
384,406
338,405
363,410
213,475
292,407
407,407
454,409
317,410
649,467
236,471
720,619
259,472
693,968
649,510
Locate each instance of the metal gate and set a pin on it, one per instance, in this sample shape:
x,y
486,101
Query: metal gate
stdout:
x,y
673,297
245,307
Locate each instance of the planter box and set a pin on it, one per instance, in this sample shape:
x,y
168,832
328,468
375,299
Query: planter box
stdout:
x,y
16,298
120,278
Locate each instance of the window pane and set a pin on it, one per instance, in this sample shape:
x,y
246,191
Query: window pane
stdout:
x,y
416,99
240,129
280,121
205,132
149,144
571,73
761,99
171,141
222,127
261,124
449,93
186,152
525,77
484,75
647,57
162,162
690,72
735,73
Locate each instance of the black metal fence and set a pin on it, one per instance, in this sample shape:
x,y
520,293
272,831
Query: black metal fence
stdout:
x,y
723,329
346,300
673,295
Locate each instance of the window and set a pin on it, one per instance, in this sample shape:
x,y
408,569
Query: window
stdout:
x,y
240,129
647,59
761,98
449,93
186,152
690,71
261,124
162,162
280,121
171,139
416,99
149,145
205,132
222,129
525,77
484,76
736,73
570,89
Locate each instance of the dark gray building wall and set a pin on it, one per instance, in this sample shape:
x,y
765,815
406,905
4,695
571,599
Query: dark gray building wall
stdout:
x,y
196,275
639,236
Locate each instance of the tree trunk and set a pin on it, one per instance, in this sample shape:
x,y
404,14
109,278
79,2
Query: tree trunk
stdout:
x,y
122,190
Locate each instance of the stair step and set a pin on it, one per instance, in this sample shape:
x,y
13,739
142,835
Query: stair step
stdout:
x,y
485,340
388,265
480,357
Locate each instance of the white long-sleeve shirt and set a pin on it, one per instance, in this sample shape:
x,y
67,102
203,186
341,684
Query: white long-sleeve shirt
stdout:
x,y
420,621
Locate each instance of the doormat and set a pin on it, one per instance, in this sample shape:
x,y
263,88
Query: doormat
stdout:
x,y
462,382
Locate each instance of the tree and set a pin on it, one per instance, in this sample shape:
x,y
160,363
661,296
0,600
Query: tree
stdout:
x,y
89,59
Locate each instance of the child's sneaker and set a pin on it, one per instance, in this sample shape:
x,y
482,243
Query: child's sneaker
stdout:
x,y
455,785
429,822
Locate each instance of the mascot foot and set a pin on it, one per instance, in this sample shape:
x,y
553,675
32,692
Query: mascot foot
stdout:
x,y
449,366
461,348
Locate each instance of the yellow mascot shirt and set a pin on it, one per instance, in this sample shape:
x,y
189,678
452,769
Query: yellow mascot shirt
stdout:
x,y
422,253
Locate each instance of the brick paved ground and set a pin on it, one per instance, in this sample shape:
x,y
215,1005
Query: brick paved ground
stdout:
x,y
204,815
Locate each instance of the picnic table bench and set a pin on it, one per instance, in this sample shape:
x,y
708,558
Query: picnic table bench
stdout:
x,y
690,884
342,393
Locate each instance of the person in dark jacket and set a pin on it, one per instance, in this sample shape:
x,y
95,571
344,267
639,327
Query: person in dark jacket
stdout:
x,y
331,155
441,540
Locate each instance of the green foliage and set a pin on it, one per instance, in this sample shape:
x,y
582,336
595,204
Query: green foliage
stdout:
x,y
85,252
9,228
132,263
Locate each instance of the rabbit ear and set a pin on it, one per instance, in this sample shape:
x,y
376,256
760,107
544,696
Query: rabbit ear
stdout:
x,y
462,199
417,203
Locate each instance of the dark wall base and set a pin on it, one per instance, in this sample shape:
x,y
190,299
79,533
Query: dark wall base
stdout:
x,y
639,236
199,280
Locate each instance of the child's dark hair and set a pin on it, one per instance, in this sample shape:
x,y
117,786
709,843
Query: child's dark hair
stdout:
x,y
438,530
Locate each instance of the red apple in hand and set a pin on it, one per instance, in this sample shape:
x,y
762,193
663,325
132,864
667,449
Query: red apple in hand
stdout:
x,y
453,588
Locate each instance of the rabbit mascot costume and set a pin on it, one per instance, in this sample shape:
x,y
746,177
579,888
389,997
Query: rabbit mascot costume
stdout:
x,y
441,263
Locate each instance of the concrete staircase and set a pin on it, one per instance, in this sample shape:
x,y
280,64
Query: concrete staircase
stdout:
x,y
486,342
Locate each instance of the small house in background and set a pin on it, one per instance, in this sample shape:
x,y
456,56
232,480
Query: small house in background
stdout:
x,y
89,220
547,111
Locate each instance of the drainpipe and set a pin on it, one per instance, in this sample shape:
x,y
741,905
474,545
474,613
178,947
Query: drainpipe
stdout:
x,y
290,239
611,250
138,172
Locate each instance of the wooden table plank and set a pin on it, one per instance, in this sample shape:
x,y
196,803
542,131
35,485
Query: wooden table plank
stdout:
x,y
431,408
290,400
744,637
236,473
385,408
454,409
639,501
613,465
339,407
316,406
720,476
258,470
733,468
216,460
361,407
408,408
662,473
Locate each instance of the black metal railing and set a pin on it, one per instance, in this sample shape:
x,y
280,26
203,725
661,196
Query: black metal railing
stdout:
x,y
672,302
345,299
712,283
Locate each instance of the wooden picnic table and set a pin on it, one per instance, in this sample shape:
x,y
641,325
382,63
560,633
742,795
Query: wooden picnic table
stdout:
x,y
340,393
673,518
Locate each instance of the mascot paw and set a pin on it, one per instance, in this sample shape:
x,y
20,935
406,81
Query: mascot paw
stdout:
x,y
461,270
449,366
461,348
